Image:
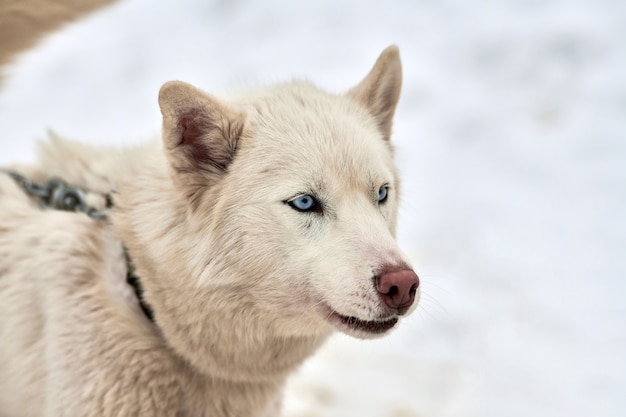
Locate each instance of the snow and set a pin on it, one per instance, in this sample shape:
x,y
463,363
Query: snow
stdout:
x,y
511,136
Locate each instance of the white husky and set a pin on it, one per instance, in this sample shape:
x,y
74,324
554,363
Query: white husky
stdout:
x,y
260,225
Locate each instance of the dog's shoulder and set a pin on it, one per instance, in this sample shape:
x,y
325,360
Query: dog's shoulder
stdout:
x,y
63,295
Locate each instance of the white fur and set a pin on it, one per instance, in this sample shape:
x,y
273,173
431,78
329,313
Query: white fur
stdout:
x,y
243,286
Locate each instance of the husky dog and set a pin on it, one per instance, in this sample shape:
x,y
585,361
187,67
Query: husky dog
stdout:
x,y
261,224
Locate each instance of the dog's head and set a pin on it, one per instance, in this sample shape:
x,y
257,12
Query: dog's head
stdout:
x,y
292,195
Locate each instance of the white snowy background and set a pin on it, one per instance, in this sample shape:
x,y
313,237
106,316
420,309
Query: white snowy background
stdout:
x,y
511,137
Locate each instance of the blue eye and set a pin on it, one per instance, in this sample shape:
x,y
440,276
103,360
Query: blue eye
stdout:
x,y
303,203
382,193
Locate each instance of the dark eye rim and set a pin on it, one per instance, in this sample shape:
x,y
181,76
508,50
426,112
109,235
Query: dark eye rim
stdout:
x,y
315,208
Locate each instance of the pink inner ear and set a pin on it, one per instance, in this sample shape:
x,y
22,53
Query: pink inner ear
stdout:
x,y
192,122
189,121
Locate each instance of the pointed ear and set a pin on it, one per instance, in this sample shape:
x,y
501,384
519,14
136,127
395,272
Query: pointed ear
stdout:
x,y
380,89
200,135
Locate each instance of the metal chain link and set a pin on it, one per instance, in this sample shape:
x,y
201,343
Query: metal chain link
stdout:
x,y
58,194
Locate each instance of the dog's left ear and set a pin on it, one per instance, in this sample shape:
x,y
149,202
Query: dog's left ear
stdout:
x,y
380,89
200,135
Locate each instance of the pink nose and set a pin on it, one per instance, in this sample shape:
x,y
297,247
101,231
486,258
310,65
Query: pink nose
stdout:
x,y
398,288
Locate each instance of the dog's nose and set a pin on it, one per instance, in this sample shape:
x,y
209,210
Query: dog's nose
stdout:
x,y
398,288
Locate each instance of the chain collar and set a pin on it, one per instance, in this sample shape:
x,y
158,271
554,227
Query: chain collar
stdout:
x,y
58,194
133,281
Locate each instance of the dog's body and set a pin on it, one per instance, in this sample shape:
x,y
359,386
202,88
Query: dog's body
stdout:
x,y
261,224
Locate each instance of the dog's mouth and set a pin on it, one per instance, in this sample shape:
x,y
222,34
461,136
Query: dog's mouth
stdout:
x,y
374,327
362,328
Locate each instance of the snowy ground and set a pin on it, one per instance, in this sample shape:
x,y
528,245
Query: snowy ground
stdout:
x,y
512,140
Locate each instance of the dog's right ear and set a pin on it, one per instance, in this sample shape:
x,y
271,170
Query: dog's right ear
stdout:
x,y
200,135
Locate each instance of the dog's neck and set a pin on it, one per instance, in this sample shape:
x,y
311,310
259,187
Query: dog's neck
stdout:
x,y
217,329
